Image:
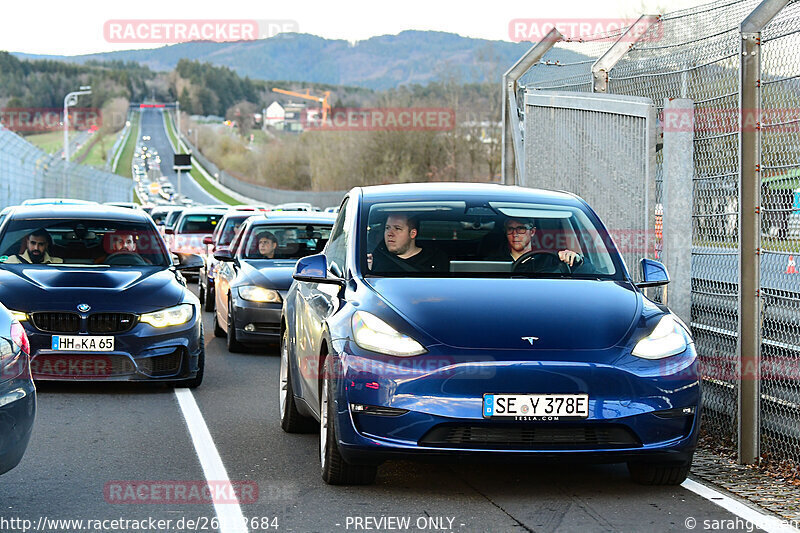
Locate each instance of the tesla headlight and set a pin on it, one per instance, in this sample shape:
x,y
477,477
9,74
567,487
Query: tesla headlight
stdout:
x,y
19,315
171,316
372,333
665,340
252,293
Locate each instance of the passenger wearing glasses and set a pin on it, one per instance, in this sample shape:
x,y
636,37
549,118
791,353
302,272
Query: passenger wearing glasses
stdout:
x,y
519,233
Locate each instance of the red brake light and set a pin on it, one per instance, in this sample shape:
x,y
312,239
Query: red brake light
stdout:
x,y
19,337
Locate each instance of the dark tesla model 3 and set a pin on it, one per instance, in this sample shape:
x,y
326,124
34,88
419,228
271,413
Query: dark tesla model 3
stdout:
x,y
99,296
251,285
17,392
447,346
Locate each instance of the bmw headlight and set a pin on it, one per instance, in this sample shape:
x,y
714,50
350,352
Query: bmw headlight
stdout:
x,y
19,315
666,339
372,333
252,293
171,316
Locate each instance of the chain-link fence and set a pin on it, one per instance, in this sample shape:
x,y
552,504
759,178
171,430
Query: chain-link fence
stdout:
x,y
696,54
780,234
27,172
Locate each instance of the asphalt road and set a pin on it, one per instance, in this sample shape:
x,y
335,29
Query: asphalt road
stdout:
x,y
152,124
90,437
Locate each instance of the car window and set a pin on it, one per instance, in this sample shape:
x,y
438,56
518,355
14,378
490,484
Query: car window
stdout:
x,y
336,250
454,239
84,243
199,223
229,228
291,241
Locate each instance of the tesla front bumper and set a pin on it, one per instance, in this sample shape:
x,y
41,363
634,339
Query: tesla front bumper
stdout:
x,y
432,405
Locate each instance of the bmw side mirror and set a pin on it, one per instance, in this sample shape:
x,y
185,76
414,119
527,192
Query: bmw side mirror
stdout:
x,y
654,274
223,254
190,261
314,269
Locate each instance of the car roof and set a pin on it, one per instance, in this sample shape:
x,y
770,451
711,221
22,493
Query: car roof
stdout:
x,y
57,201
464,191
202,210
290,217
85,212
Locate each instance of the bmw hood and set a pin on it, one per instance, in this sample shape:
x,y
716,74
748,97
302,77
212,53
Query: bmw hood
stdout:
x,y
548,314
52,288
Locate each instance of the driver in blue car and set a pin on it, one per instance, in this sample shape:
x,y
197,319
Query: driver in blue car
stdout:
x,y
399,251
519,235
35,249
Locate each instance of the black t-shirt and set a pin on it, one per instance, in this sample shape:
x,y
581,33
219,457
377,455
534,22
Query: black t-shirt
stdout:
x,y
429,259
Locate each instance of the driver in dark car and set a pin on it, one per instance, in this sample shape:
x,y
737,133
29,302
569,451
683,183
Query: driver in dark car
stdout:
x,y
121,243
519,234
35,249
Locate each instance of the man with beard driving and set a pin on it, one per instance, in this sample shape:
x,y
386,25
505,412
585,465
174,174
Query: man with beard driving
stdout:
x,y
35,249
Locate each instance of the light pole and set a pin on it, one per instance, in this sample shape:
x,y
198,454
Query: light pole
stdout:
x,y
70,100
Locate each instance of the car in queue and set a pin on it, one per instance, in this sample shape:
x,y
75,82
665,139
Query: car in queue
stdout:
x,y
419,333
255,273
191,228
99,296
221,239
17,391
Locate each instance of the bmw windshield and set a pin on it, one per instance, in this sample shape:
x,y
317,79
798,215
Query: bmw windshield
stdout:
x,y
82,243
494,239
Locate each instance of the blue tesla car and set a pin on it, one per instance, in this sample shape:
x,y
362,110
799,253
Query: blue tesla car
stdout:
x,y
483,320
99,296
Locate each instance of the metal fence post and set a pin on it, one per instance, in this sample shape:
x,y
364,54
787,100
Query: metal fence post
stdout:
x,y
606,62
677,199
511,158
748,347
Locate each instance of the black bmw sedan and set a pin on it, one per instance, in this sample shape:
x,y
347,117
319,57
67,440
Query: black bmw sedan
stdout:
x,y
99,296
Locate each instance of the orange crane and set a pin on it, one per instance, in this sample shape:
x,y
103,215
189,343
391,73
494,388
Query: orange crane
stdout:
x,y
323,100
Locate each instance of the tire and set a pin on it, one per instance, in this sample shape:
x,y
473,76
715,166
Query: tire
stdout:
x,y
195,382
659,473
233,344
208,305
291,419
335,470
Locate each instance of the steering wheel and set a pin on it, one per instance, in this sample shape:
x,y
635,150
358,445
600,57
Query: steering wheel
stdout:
x,y
529,262
125,258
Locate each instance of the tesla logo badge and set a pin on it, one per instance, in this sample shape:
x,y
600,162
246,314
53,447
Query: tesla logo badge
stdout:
x,y
83,308
531,340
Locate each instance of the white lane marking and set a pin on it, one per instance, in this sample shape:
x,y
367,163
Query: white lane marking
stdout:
x,y
769,523
231,519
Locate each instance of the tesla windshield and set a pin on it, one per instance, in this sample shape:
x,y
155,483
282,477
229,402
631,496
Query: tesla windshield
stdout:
x,y
82,242
456,239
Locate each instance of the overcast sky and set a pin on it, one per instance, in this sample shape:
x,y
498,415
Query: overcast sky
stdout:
x,y
71,28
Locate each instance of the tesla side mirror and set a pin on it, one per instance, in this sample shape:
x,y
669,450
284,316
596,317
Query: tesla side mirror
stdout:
x,y
190,261
223,255
654,274
314,269
208,239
